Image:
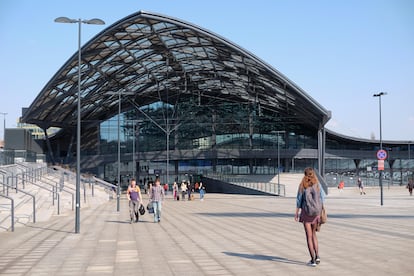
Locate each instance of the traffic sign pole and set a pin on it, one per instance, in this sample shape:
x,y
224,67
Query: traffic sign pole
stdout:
x,y
381,155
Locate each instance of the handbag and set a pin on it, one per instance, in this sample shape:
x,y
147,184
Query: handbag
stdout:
x,y
150,208
141,209
324,215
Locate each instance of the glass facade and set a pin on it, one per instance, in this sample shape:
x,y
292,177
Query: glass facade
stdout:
x,y
191,127
230,127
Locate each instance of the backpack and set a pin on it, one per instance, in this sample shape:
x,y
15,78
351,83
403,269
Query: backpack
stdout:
x,y
312,201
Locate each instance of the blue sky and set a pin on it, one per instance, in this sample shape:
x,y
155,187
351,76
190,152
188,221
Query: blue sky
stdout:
x,y
340,52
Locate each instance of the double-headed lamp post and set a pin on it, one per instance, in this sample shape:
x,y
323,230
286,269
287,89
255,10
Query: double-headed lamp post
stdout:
x,y
380,128
94,21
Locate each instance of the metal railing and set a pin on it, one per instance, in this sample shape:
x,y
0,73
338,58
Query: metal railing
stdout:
x,y
19,176
24,192
58,187
11,210
267,187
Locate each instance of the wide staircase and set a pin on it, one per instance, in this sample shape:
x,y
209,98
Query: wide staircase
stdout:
x,y
33,192
286,184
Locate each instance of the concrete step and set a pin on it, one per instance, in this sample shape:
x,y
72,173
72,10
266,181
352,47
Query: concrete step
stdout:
x,y
46,207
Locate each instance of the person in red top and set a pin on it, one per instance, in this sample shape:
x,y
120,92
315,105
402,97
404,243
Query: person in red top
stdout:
x,y
341,185
135,199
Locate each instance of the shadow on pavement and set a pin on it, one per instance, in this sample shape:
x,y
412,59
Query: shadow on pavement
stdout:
x,y
248,214
50,229
264,258
127,221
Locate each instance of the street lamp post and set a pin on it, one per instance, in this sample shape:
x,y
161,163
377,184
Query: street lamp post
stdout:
x,y
134,169
118,188
4,126
134,150
380,127
94,21
277,132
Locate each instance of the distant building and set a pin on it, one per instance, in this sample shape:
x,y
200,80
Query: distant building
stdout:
x,y
37,132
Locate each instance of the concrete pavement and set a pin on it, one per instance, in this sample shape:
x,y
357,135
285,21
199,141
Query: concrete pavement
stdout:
x,y
222,235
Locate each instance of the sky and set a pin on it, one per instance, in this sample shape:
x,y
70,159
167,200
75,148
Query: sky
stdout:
x,y
340,52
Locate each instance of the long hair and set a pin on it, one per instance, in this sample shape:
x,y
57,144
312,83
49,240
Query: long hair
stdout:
x,y
309,179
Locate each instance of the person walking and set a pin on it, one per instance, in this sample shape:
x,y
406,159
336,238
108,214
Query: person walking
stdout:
x,y
360,186
134,200
410,186
156,197
189,190
183,188
341,185
175,190
309,201
202,191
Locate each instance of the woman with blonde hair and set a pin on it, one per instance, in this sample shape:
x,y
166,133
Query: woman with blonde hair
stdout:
x,y
309,201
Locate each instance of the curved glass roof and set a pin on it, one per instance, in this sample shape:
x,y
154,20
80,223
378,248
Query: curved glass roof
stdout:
x,y
150,58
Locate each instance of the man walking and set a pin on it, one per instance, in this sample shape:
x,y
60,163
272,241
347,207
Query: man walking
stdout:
x,y
157,196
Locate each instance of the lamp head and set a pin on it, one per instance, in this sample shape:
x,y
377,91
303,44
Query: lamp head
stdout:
x,y
94,21
64,19
380,94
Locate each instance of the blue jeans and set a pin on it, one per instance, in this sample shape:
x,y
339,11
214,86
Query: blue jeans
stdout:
x,y
157,210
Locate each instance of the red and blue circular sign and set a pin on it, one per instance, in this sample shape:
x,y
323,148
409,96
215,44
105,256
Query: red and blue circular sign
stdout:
x,y
382,154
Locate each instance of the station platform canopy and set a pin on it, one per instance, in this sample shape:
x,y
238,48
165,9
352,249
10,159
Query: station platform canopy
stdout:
x,y
151,58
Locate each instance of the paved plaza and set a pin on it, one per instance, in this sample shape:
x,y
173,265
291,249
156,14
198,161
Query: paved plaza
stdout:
x,y
222,235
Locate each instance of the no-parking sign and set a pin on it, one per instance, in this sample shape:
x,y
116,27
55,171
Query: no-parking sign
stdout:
x,y
382,154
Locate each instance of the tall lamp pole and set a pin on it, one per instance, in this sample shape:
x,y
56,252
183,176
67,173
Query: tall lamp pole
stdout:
x,y
94,21
409,155
277,132
4,126
134,131
118,188
380,127
134,169
278,162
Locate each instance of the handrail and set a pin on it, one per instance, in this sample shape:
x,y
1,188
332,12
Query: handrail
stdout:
x,y
3,174
44,188
61,189
11,210
48,180
103,182
278,189
72,194
29,194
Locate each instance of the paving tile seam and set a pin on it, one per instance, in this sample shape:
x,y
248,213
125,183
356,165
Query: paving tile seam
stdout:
x,y
178,220
86,214
342,242
33,247
228,238
259,239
